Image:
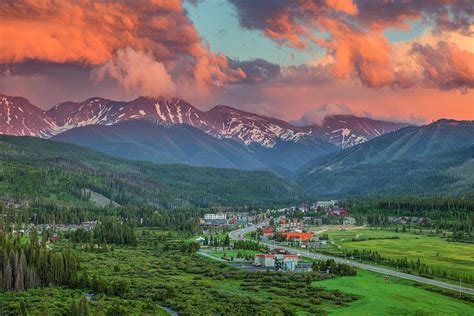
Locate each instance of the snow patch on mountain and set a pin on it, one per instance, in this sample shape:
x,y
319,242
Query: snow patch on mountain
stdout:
x,y
19,117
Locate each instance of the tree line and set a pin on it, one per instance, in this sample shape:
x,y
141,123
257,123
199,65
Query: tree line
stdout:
x,y
31,265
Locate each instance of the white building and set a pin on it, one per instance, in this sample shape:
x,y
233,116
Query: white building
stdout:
x,y
325,204
215,216
349,220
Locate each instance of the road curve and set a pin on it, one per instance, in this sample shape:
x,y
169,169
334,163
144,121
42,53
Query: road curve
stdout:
x,y
239,235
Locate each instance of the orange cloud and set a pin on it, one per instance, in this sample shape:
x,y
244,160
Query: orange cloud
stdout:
x,y
289,99
138,71
353,35
107,34
446,65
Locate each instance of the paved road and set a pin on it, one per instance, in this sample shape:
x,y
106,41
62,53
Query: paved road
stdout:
x,y
239,235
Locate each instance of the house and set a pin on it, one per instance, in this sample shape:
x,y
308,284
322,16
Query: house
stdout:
x,y
324,204
316,244
312,220
285,262
304,207
338,211
283,221
199,240
409,219
288,262
349,220
267,231
265,260
293,236
54,239
240,218
219,216
213,224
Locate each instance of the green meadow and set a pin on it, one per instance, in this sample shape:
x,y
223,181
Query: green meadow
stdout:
x,y
379,298
432,250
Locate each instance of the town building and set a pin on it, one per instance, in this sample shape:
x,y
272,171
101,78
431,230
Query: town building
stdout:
x,y
219,216
349,220
338,211
213,225
54,239
409,220
316,244
200,240
312,220
324,204
295,236
293,225
240,218
304,207
267,231
285,262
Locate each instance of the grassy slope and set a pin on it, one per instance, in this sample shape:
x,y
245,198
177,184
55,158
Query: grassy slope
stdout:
x,y
379,298
457,256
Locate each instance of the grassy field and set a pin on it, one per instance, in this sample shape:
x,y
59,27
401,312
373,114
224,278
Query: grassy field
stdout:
x,y
431,250
380,298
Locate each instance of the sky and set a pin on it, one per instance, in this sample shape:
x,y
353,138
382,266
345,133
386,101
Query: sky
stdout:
x,y
298,60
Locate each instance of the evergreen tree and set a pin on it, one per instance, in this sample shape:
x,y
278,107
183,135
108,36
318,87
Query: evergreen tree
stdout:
x,y
8,277
83,307
73,309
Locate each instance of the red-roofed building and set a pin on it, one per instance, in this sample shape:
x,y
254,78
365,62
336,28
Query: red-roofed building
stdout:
x,y
54,239
267,231
297,236
338,212
283,221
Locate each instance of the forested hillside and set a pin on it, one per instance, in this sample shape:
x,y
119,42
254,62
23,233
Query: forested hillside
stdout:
x,y
428,160
35,169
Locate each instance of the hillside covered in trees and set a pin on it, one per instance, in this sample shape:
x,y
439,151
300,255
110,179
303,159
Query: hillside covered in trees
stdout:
x,y
428,160
35,170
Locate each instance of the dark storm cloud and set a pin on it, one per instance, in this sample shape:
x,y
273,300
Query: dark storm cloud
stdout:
x,y
256,70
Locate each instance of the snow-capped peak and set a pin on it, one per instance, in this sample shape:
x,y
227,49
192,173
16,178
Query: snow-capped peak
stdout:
x,y
19,117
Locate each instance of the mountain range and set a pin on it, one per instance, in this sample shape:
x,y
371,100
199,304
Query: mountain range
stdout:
x,y
233,138
429,159
344,156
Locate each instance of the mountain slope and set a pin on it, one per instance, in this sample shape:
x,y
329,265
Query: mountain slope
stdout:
x,y
265,142
413,160
20,117
348,130
169,143
36,169
221,121
161,143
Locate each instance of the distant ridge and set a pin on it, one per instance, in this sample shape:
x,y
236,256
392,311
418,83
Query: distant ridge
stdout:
x,y
437,157
222,136
221,121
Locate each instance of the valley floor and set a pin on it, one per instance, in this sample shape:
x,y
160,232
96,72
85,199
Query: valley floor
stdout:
x,y
161,271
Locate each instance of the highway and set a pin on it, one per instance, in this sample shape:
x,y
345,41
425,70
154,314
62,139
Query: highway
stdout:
x,y
239,235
